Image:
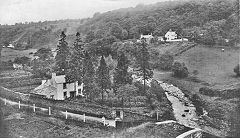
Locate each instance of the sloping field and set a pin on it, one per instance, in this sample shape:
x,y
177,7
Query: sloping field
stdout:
x,y
151,130
10,54
213,66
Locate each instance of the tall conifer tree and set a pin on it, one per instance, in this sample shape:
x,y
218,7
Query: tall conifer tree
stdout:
x,y
75,71
103,77
143,65
62,56
121,75
88,75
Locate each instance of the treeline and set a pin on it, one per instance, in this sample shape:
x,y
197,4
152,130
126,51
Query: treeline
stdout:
x,y
209,22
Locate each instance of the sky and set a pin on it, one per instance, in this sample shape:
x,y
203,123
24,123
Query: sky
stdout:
x,y
15,11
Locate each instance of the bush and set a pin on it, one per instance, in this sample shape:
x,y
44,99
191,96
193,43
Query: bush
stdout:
x,y
164,62
198,103
180,70
236,70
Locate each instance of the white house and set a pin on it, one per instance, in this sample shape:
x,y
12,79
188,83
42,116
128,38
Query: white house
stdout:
x,y
147,37
10,46
171,35
17,66
57,88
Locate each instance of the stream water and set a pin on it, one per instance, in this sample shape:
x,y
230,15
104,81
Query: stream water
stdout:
x,y
183,109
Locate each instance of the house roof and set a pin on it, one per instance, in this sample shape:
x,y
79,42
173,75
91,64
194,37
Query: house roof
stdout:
x,y
146,36
48,90
171,32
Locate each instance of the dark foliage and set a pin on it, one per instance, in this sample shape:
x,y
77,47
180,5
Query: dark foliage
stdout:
x,y
121,75
75,70
180,70
236,70
62,56
103,77
198,103
164,62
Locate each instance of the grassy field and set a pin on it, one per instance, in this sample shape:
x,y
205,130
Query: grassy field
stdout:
x,y
10,54
215,70
22,124
213,66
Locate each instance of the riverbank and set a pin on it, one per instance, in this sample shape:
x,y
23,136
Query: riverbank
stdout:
x,y
206,123
184,110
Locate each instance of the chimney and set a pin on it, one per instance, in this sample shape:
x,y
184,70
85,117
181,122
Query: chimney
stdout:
x,y
54,75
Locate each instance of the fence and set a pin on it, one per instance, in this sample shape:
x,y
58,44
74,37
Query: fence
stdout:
x,y
58,113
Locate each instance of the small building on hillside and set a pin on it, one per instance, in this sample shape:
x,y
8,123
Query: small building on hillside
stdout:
x,y
10,46
171,35
147,37
58,89
17,66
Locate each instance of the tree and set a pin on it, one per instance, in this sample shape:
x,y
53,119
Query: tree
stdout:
x,y
155,94
44,53
124,34
116,30
180,70
121,75
88,76
103,77
22,60
100,33
164,62
134,32
142,63
236,70
126,92
62,56
214,31
75,69
198,103
89,37
43,66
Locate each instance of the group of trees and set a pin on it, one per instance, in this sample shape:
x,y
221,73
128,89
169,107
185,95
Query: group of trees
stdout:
x,y
85,62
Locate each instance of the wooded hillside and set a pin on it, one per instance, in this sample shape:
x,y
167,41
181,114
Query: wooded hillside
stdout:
x,y
205,21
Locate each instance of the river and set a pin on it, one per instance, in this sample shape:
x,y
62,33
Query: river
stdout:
x,y
183,109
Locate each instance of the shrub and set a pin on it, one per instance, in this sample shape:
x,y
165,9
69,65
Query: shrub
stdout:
x,y
195,72
198,103
236,70
180,70
164,62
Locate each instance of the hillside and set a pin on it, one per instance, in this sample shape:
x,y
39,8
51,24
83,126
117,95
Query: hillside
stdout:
x,y
36,35
215,19
213,66
209,21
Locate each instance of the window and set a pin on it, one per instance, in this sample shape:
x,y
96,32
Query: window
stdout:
x,y
72,94
64,85
65,95
118,114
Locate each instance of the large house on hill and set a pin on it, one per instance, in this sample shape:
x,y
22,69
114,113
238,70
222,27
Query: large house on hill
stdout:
x,y
58,89
171,35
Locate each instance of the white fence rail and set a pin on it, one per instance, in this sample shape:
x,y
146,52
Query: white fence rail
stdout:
x,y
66,113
